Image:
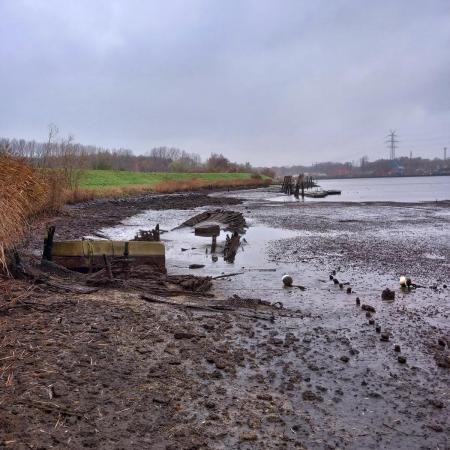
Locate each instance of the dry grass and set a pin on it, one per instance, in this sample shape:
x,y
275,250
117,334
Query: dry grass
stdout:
x,y
169,187
166,187
23,192
85,195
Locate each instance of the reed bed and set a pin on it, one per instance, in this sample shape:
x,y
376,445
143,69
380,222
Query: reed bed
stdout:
x,y
81,195
168,187
23,193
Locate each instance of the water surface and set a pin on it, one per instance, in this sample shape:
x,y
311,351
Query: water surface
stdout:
x,y
394,189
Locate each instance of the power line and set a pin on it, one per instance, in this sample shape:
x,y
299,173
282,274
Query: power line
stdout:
x,y
392,142
428,139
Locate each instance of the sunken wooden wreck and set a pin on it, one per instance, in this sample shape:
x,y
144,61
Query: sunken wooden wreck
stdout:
x,y
87,255
210,223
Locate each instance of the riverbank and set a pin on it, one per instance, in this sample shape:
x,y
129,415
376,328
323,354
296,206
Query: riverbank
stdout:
x,y
96,184
108,369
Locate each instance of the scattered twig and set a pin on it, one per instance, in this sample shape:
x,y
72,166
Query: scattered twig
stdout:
x,y
227,275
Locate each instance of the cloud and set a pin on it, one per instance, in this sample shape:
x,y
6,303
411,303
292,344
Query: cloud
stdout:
x,y
263,81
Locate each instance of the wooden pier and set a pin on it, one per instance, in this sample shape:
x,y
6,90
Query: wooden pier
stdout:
x,y
297,185
302,186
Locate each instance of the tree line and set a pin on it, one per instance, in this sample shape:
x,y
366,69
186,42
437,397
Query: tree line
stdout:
x,y
65,153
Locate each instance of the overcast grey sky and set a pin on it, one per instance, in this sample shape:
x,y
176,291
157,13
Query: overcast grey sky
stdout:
x,y
270,82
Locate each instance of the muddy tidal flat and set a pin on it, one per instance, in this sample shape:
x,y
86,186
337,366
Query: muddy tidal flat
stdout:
x,y
323,364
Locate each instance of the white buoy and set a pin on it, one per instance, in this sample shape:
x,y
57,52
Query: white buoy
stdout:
x,y
287,280
403,281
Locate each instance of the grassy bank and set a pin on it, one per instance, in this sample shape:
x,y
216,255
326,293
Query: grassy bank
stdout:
x,y
114,183
97,179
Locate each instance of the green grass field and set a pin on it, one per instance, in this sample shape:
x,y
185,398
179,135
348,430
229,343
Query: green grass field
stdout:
x,y
97,179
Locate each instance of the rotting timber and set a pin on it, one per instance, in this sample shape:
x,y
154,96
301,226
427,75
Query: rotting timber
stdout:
x,y
209,224
88,255
297,185
229,220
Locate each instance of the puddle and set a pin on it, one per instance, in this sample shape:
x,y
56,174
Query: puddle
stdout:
x,y
184,248
261,276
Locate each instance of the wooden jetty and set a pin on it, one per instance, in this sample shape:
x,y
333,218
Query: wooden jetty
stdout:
x,y
297,185
301,185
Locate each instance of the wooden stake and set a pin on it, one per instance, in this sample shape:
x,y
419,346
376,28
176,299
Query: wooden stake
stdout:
x,y
48,243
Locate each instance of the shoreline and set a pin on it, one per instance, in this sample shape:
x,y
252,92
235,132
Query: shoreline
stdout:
x,y
114,371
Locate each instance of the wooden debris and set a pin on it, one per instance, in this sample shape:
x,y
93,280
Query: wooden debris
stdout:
x,y
148,235
226,275
231,246
207,230
230,220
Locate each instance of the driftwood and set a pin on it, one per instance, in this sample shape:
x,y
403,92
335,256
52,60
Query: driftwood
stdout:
x,y
226,275
148,279
210,307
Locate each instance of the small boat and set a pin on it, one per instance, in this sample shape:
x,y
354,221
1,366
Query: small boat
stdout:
x,y
333,192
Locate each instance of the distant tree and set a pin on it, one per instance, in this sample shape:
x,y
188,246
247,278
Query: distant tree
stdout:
x,y
217,163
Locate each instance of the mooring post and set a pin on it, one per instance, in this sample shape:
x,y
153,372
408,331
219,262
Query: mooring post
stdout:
x,y
213,244
108,267
48,243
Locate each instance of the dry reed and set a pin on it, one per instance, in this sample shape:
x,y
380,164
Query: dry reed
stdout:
x,y
23,192
168,187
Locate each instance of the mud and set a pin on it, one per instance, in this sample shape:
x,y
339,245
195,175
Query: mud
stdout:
x,y
111,370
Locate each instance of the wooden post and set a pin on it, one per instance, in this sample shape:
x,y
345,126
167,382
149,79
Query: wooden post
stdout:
x,y
48,243
213,244
126,255
297,187
108,267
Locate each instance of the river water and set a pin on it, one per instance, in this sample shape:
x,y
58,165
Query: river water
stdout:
x,y
394,189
